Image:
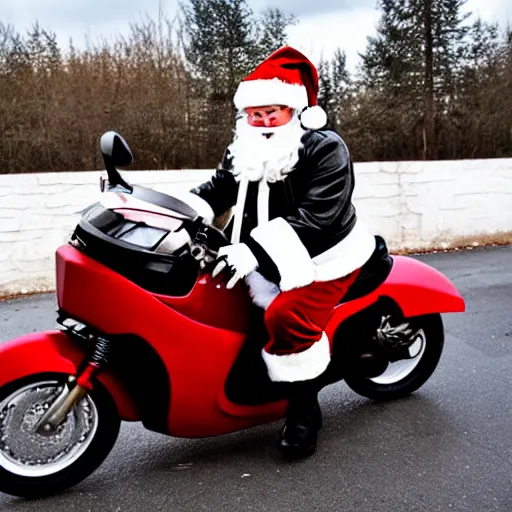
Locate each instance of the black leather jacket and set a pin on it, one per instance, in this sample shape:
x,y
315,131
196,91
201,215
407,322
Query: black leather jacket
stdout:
x,y
315,198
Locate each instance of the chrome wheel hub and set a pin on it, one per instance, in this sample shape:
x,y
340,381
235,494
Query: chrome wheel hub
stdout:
x,y
23,451
396,371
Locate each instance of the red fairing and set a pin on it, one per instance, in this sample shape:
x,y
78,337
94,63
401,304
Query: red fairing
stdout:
x,y
420,289
198,357
211,303
416,287
208,303
54,352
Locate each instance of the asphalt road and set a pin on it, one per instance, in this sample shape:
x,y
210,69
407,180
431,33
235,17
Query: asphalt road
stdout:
x,y
448,447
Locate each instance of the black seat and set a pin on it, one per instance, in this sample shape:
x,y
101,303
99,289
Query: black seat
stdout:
x,y
373,273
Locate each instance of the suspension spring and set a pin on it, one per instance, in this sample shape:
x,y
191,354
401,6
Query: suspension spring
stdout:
x,y
102,352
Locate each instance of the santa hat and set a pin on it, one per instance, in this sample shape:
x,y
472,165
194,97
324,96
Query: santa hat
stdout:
x,y
288,78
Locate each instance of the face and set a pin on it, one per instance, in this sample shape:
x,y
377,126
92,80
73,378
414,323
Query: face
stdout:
x,y
269,116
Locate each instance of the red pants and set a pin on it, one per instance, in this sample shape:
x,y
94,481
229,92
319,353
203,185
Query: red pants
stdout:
x,y
298,348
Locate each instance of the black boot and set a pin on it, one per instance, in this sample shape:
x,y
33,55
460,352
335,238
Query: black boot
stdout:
x,y
303,421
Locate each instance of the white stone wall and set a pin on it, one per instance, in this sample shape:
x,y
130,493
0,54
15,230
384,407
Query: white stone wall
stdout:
x,y
422,205
414,205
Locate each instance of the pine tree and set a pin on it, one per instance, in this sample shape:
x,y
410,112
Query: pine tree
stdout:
x,y
391,58
222,46
43,49
221,43
226,40
481,57
273,34
14,54
482,109
219,47
340,79
326,92
333,87
415,58
508,39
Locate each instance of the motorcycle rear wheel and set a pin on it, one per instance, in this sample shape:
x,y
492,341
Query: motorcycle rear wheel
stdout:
x,y
399,381
36,466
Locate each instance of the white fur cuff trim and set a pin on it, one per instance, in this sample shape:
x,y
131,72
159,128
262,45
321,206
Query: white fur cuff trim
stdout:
x,y
259,93
305,365
288,253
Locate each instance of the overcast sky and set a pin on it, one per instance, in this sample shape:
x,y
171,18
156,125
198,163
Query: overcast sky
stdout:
x,y
323,25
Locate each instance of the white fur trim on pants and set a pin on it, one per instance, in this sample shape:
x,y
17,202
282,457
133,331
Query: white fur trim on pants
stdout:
x,y
286,250
300,366
261,290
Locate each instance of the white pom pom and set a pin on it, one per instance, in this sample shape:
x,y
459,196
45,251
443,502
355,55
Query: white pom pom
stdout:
x,y
313,118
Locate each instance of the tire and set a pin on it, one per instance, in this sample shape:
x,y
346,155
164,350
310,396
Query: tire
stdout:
x,y
382,389
88,433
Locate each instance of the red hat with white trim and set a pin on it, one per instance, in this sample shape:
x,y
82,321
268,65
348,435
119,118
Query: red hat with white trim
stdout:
x,y
286,77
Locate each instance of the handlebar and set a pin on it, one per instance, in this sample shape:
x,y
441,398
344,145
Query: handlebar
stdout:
x,y
206,241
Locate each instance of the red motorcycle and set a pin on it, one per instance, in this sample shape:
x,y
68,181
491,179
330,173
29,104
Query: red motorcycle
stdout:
x,y
148,335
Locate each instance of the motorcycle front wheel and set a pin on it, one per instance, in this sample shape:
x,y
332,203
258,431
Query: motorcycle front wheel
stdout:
x,y
403,377
33,465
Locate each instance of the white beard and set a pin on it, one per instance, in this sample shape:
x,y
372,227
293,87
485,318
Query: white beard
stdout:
x,y
256,156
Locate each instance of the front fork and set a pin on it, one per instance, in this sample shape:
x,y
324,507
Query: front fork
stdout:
x,y
75,389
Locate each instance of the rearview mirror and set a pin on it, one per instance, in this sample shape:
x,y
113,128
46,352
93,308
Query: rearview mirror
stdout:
x,y
116,148
116,153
